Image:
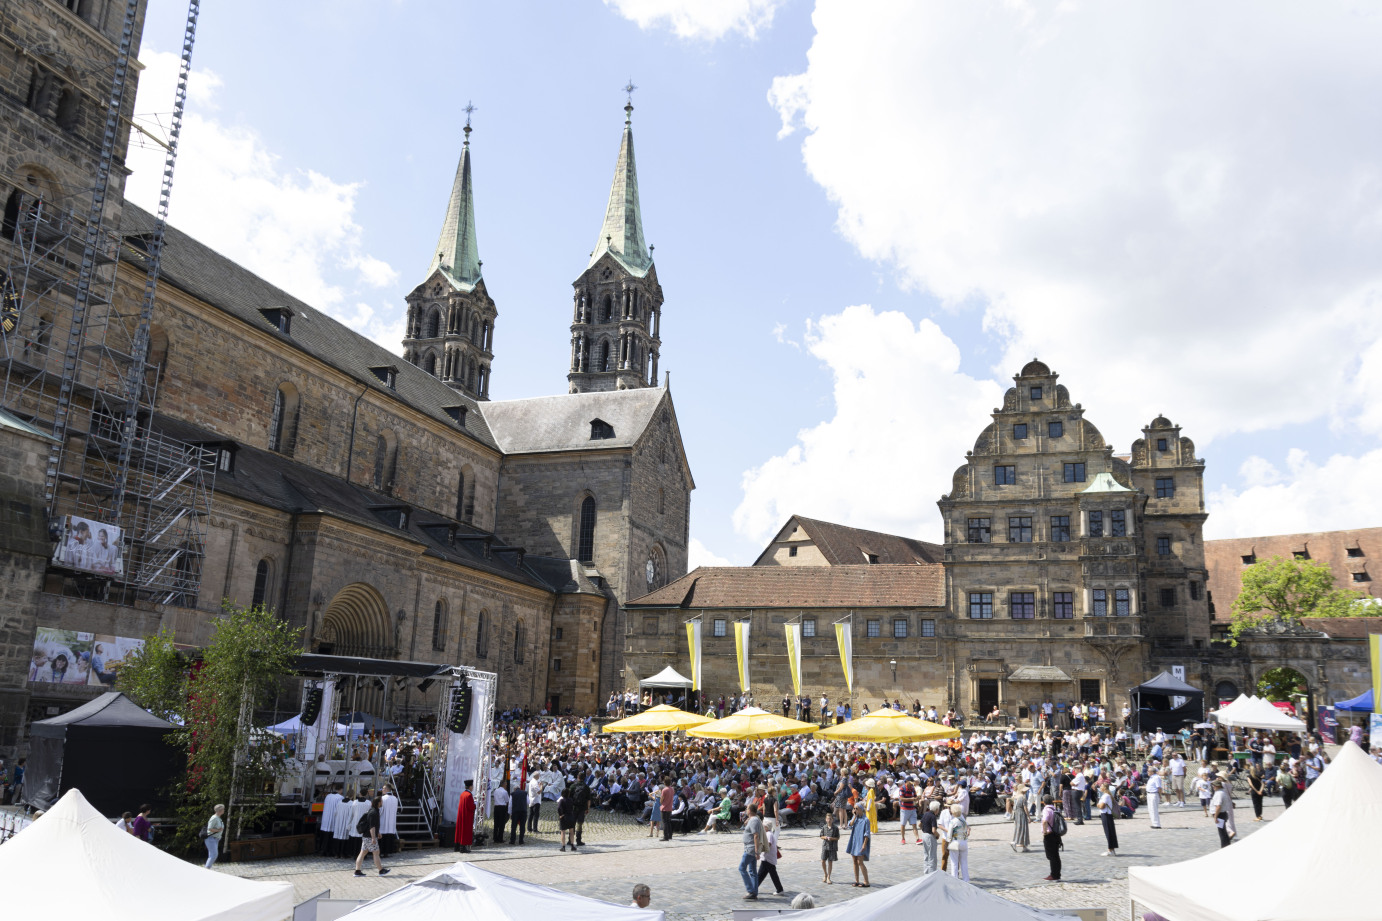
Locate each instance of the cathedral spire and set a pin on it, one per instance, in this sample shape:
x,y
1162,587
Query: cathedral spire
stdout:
x,y
457,252
622,232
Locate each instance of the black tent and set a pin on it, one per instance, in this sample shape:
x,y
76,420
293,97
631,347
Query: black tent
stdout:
x,y
1152,701
113,750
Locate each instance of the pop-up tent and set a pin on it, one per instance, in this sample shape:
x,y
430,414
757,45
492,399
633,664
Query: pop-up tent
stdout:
x,y
669,677
1255,713
111,748
293,726
935,897
74,856
1152,704
464,892
1334,831
1360,704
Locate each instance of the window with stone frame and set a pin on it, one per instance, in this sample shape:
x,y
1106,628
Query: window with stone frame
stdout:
x,y
1019,431
1063,605
1055,429
1004,475
1163,546
1165,487
899,628
808,626
1020,530
1118,523
1194,591
1074,473
1035,393
1161,444
1122,602
1168,598
586,541
439,625
1060,529
482,635
981,605
1022,605
717,627
873,628
261,583
979,531
520,641
1096,524
1100,597
928,627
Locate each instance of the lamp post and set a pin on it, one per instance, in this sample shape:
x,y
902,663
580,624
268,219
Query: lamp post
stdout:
x,y
893,663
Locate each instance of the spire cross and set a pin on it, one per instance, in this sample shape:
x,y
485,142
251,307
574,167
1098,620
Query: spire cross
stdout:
x,y
469,107
629,88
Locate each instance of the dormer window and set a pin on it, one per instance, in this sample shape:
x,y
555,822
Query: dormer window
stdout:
x,y
872,558
395,516
280,318
225,460
457,414
600,429
387,374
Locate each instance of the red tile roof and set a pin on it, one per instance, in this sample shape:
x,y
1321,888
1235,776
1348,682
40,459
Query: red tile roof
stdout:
x,y
1224,560
859,586
1345,628
842,545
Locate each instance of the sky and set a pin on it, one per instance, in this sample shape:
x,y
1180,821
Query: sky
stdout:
x,y
867,218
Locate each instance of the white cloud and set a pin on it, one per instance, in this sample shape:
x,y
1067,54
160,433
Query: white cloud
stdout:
x,y
293,226
698,554
702,20
904,416
1180,226
1340,493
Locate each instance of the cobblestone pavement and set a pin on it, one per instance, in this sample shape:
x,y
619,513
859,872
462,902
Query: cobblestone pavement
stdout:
x,y
694,878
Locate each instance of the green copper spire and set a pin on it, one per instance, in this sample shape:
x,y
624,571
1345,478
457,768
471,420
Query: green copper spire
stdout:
x,y
622,232
457,253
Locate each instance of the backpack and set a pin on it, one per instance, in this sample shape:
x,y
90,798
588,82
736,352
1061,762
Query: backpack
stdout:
x,y
960,830
1058,826
364,825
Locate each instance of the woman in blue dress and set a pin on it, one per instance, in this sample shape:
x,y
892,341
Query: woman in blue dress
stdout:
x,y
859,839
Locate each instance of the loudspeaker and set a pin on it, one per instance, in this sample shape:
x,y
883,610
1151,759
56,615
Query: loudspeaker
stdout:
x,y
460,708
312,707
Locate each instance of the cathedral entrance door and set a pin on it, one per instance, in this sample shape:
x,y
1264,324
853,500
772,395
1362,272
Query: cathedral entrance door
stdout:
x,y
988,696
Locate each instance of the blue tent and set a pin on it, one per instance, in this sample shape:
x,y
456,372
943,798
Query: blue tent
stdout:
x,y
1360,704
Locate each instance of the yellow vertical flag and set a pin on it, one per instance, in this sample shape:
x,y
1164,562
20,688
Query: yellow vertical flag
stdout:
x,y
693,638
845,639
1375,657
794,656
741,651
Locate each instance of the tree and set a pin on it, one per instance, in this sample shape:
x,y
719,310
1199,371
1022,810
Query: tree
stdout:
x,y
155,677
1278,592
1281,683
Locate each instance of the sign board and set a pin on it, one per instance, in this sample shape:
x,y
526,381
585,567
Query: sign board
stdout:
x,y
1178,672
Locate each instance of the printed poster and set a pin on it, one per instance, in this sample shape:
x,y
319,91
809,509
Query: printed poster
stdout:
x,y
90,546
74,657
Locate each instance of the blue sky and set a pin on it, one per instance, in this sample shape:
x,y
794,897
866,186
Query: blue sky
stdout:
x,y
866,217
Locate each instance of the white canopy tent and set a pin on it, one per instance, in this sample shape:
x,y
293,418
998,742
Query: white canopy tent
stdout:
x,y
935,897
667,678
1334,832
293,726
1255,713
464,892
74,857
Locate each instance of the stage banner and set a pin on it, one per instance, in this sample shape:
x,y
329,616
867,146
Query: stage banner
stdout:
x,y
465,760
1374,726
693,639
794,656
1375,657
313,739
845,639
741,652
1326,724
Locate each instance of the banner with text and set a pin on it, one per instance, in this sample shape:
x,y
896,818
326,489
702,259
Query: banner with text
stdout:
x,y
741,652
845,639
794,656
693,639
465,758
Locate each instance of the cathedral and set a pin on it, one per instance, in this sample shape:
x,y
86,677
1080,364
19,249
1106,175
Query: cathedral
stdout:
x,y
388,507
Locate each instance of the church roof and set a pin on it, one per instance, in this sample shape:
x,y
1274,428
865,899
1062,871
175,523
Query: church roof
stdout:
x,y
861,586
621,235
562,423
456,253
205,274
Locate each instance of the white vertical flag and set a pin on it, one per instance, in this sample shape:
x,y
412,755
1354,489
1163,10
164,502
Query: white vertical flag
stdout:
x,y
693,638
741,651
794,656
846,642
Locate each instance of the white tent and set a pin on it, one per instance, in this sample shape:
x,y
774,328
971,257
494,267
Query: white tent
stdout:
x,y
1256,713
73,856
464,892
1333,832
667,678
935,897
293,726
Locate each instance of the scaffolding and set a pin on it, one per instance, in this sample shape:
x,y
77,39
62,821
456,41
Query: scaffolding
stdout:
x,y
79,364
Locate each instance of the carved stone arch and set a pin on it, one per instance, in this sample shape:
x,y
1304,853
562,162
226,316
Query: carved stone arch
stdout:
x,y
984,444
1139,453
1062,397
959,483
1010,400
357,622
1093,438
1187,451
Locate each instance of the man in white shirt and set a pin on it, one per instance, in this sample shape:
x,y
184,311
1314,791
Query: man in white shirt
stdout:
x,y
328,819
388,821
1178,778
499,802
1154,797
1080,785
536,788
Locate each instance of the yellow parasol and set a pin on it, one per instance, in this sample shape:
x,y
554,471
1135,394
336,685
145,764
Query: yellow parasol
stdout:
x,y
752,723
887,725
661,718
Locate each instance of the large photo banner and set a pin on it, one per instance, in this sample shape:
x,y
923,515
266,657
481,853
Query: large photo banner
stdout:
x,y
90,546
74,657
465,757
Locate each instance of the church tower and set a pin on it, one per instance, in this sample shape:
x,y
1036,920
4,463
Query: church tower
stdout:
x,y
450,331
615,331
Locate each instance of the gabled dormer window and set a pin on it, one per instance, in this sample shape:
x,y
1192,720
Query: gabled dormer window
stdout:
x,y
457,414
387,374
280,318
600,429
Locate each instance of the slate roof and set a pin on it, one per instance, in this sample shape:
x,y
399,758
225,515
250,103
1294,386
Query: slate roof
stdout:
x,y
562,423
861,586
621,234
842,545
457,254
207,275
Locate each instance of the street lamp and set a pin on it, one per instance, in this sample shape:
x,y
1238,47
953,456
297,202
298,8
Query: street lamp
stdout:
x,y
893,663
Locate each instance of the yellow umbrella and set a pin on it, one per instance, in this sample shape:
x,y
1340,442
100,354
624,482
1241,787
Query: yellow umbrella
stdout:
x,y
887,725
752,723
661,718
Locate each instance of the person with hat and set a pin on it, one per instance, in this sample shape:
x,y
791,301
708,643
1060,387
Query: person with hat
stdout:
x,y
1221,808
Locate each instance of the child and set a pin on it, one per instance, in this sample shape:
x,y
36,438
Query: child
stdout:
x,y
830,844
1202,789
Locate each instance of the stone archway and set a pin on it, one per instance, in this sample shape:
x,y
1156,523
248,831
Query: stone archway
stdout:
x,y
356,623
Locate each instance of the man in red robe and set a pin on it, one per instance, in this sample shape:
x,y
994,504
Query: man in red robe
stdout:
x,y
465,819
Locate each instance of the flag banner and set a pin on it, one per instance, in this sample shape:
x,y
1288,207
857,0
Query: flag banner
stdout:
x,y
1375,657
693,639
846,642
794,656
741,651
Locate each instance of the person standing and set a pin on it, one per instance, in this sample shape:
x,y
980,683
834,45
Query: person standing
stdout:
x,y
1106,819
830,846
388,821
142,828
1257,788
465,819
907,803
1079,792
1178,778
860,838
1051,823
667,799
930,836
518,814
1285,785
1154,784
215,828
536,789
1221,807
767,860
369,838
580,794
330,804
566,818
499,807
1017,808
958,834
754,843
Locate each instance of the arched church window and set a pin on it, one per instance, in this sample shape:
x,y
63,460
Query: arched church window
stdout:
x,y
606,309
439,626
283,424
661,501
520,639
586,549
429,364
604,355
482,635
433,324
261,583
